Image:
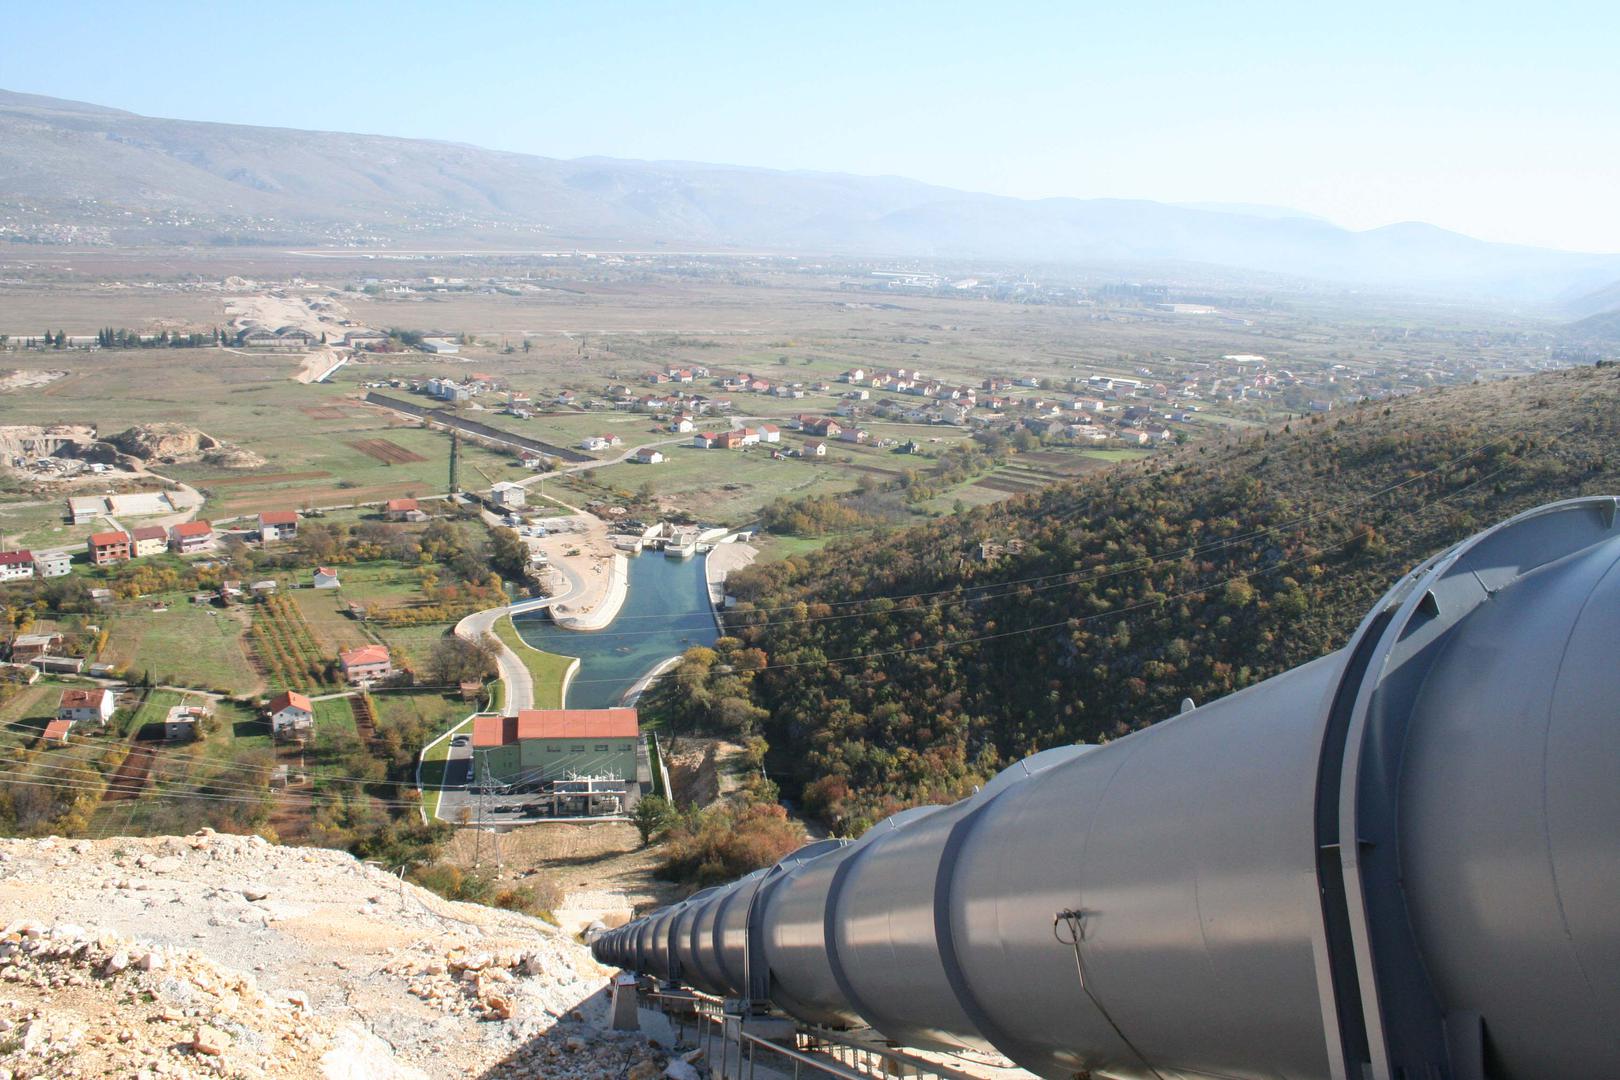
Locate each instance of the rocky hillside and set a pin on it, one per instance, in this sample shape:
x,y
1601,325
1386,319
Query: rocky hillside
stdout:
x,y
175,444
215,955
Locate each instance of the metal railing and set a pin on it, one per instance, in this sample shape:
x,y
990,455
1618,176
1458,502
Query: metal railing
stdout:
x,y
844,1055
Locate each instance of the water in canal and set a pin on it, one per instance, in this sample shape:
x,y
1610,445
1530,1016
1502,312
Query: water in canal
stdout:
x,y
665,612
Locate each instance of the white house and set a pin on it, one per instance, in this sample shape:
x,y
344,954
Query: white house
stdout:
x,y
815,448
53,563
291,714
508,495
770,433
648,456
16,564
326,578
79,706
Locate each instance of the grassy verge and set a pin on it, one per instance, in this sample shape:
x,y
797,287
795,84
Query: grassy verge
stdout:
x,y
546,669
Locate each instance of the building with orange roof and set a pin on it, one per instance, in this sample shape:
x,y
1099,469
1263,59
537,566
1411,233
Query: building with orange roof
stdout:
x,y
544,745
291,714
277,525
189,536
109,547
366,663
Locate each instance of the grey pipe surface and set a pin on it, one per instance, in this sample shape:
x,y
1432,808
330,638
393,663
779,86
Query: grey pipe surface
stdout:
x,y
1400,860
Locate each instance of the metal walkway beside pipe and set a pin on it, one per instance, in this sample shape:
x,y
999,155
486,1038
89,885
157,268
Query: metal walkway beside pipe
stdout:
x,y
1400,861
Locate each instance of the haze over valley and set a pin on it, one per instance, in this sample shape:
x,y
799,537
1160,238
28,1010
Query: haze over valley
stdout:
x,y
550,541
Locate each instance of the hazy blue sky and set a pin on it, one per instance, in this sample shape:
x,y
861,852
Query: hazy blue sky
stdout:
x,y
1501,120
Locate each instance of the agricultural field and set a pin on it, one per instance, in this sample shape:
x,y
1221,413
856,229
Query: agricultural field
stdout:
x,y
185,645
729,486
285,648
326,613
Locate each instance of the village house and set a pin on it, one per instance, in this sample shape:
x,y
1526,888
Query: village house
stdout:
x,y
108,547
56,732
16,564
508,496
277,525
291,714
824,426
750,436
365,664
48,564
403,510
854,435
648,456
853,375
814,448
770,433
183,723
26,647
190,536
149,540
728,440
86,706
703,440
326,578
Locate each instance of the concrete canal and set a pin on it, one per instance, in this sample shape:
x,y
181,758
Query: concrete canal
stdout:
x,y
666,611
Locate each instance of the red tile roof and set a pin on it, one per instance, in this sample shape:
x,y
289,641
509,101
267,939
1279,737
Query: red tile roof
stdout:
x,y
491,731
150,532
16,558
292,698
188,529
57,730
81,699
365,654
107,539
576,724
278,517
398,505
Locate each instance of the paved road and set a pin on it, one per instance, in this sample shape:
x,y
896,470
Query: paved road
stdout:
x,y
514,673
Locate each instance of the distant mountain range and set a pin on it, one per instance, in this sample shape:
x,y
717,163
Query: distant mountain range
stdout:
x,y
210,178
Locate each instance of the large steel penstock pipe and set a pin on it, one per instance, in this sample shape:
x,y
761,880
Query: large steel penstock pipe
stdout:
x,y
1399,861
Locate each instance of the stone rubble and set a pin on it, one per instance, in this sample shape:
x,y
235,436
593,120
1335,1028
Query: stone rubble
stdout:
x,y
225,956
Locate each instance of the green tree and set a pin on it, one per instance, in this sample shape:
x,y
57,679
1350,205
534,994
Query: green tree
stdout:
x,y
652,815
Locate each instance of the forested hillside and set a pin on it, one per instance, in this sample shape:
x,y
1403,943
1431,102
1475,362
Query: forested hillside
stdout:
x,y
905,667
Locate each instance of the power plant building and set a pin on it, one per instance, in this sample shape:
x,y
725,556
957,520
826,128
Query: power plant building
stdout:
x,y
545,745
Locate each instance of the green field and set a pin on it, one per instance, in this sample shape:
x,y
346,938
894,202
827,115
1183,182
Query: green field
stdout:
x,y
187,645
326,612
725,486
412,645
434,710
334,716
